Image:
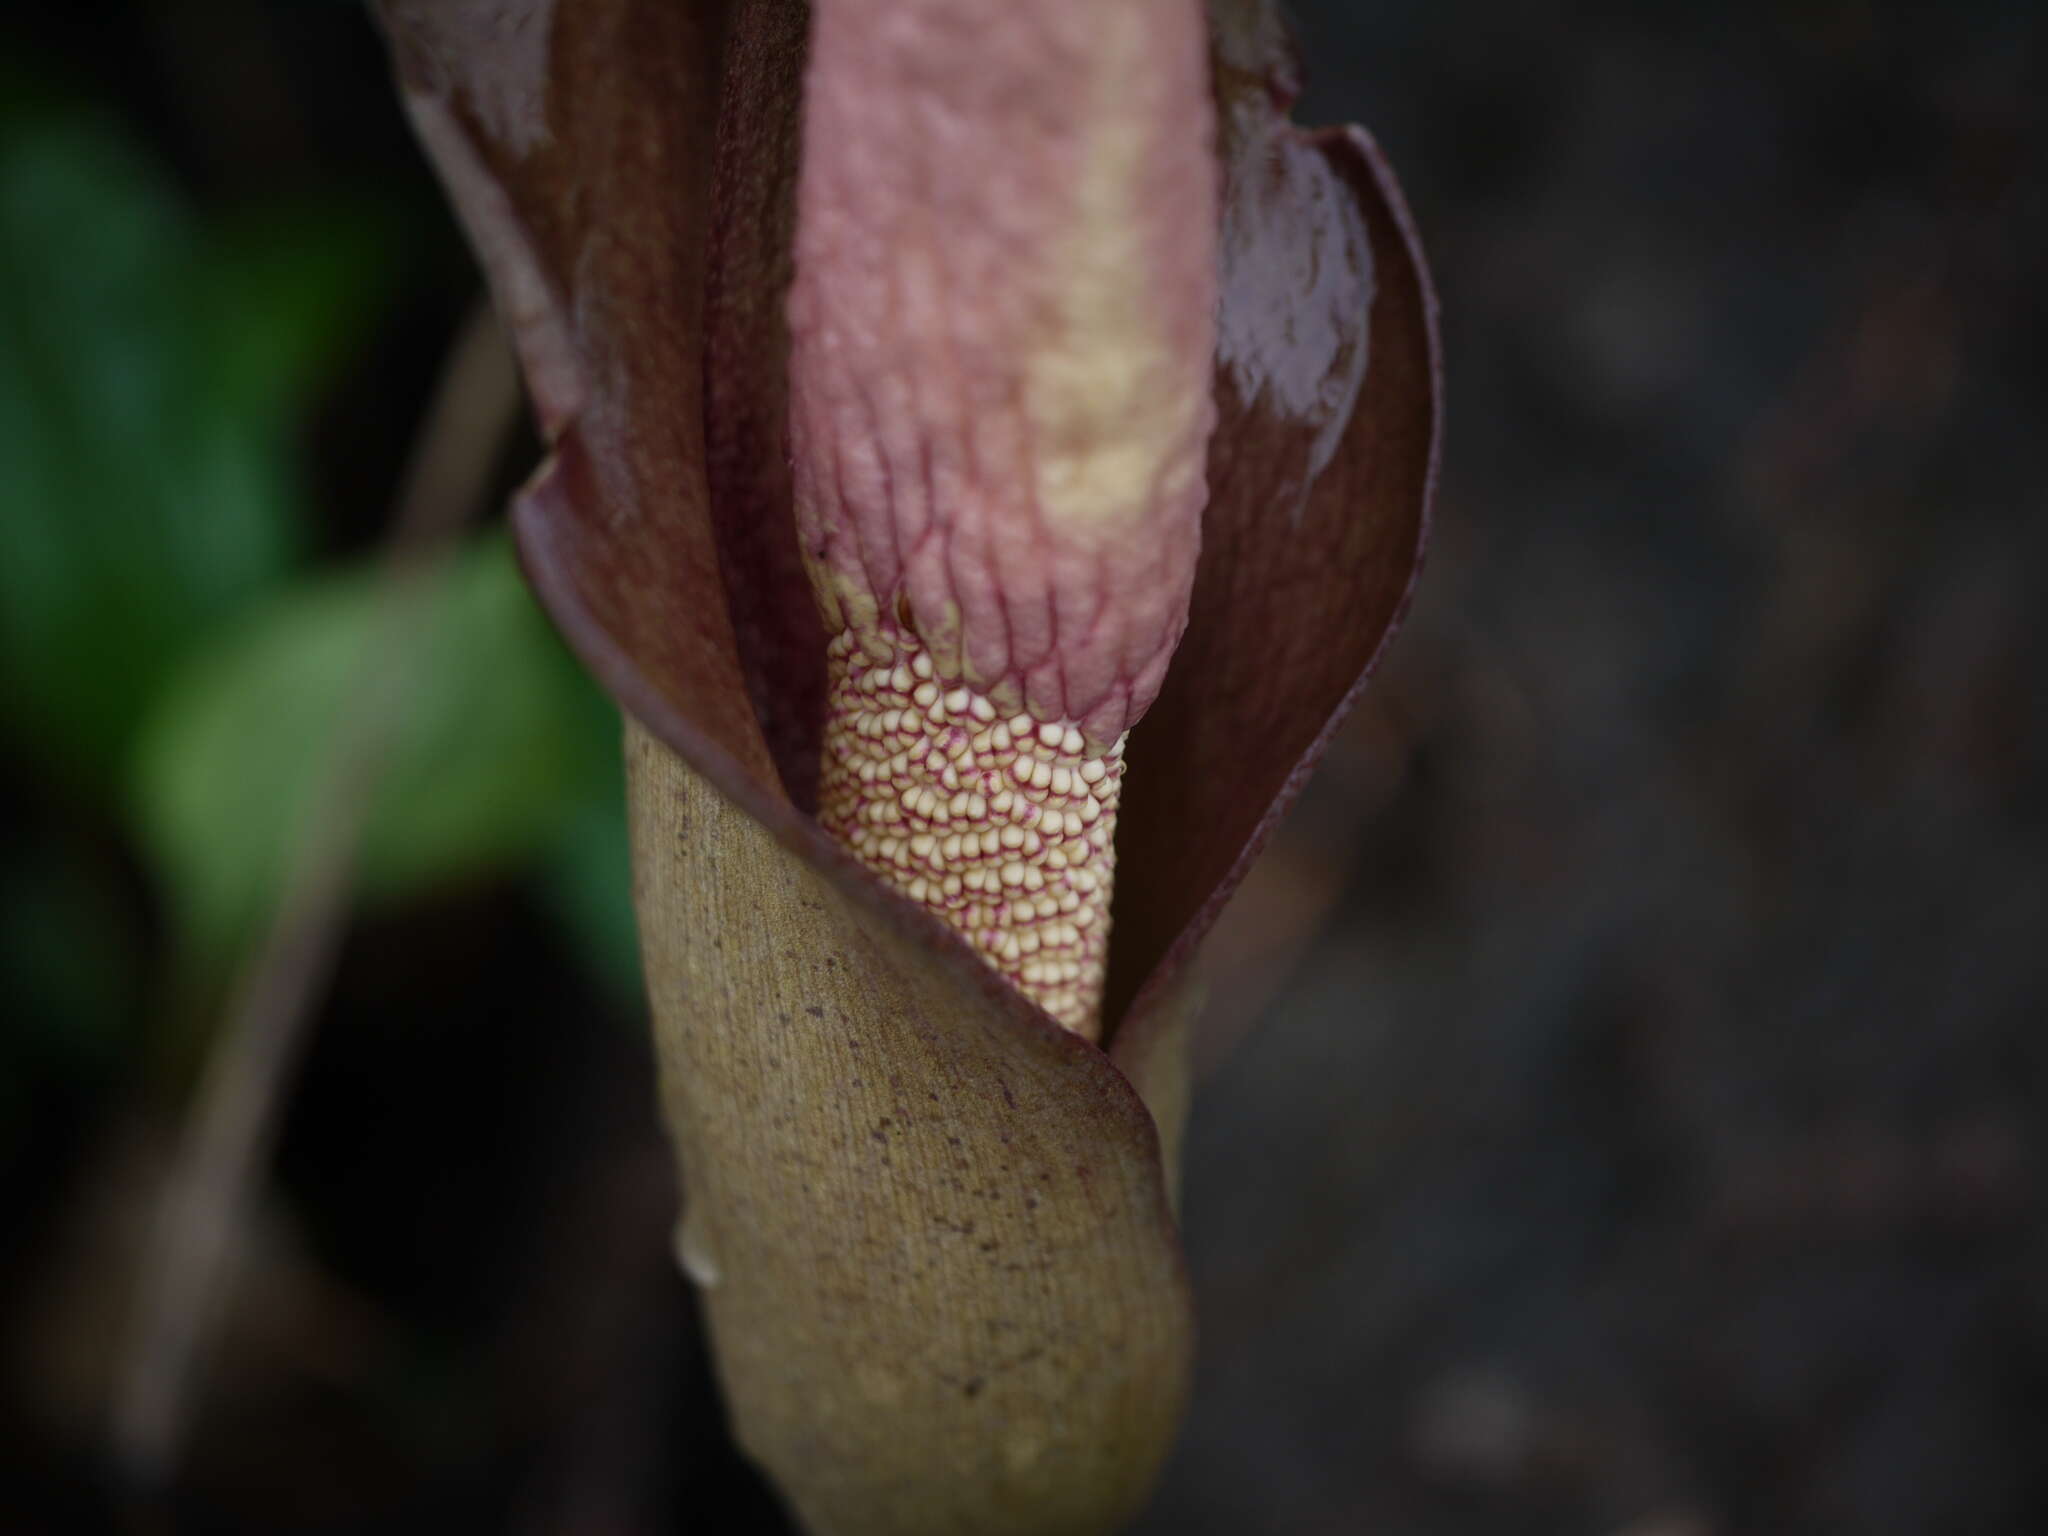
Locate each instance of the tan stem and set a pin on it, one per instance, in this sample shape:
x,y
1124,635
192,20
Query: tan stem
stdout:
x,y
934,1247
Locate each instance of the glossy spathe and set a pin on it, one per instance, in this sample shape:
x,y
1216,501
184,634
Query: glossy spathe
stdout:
x,y
634,213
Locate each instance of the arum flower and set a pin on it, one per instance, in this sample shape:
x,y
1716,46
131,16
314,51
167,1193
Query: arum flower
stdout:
x,y
989,446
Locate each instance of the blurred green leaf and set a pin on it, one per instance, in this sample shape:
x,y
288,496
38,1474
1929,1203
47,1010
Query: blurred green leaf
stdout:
x,y
67,955
589,874
150,374
284,293
70,959
487,753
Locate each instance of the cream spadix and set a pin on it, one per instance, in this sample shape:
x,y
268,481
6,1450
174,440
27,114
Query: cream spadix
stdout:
x,y
1002,338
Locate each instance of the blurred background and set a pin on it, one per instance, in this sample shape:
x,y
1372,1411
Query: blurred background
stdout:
x,y
1651,1143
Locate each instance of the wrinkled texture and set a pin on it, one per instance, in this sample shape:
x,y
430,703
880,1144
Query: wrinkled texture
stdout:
x,y
601,237
1002,326
1002,339
659,536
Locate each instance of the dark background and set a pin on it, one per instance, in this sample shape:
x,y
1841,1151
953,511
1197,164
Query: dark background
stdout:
x,y
1651,1145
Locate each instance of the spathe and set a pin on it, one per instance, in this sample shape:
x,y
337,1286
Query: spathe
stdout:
x,y
948,1290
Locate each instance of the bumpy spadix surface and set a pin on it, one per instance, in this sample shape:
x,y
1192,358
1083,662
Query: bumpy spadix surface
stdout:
x,y
1001,824
1001,336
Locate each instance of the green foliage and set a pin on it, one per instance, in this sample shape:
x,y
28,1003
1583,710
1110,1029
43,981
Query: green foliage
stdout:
x,y
475,714
151,373
167,659
589,872
63,944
